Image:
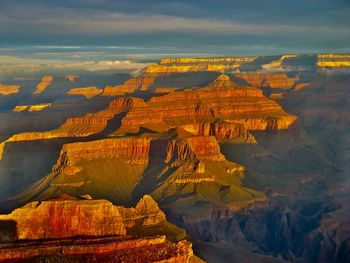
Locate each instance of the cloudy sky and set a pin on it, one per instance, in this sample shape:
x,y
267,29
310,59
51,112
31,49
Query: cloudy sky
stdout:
x,y
140,30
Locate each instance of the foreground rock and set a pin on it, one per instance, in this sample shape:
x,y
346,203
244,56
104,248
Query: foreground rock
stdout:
x,y
68,228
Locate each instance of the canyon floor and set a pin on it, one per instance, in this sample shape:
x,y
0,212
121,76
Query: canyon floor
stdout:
x,y
247,159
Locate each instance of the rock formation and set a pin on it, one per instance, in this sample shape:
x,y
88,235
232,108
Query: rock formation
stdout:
x,y
177,65
276,80
87,92
43,84
71,78
222,100
130,86
333,60
8,89
30,108
70,228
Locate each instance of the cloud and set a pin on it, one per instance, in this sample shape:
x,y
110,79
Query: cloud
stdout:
x,y
62,21
11,65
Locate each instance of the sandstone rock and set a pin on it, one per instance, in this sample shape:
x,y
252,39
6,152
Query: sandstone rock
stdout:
x,y
43,84
176,65
71,78
130,86
333,60
87,92
280,80
67,218
145,213
31,108
8,89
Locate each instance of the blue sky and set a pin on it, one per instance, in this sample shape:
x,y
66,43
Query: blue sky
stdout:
x,y
150,29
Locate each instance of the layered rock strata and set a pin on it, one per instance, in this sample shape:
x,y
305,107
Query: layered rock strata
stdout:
x,y
31,108
178,65
43,84
9,89
221,100
87,92
275,80
333,60
130,86
68,228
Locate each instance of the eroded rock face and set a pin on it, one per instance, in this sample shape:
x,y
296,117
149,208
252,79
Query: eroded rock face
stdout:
x,y
71,78
87,92
222,99
67,218
43,84
280,80
49,229
130,86
176,65
333,60
30,108
8,89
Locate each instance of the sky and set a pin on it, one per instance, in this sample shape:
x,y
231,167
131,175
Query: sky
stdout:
x,y
44,31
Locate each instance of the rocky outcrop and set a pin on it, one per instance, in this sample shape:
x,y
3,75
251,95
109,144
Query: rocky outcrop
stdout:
x,y
30,108
333,60
84,126
145,213
71,78
130,86
220,100
106,249
71,228
223,131
132,150
164,90
43,84
180,65
275,80
66,218
8,89
87,92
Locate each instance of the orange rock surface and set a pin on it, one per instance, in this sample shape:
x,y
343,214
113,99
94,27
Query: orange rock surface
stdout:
x,y
9,89
333,60
88,92
132,84
67,218
221,100
43,84
71,78
68,227
275,80
30,108
173,65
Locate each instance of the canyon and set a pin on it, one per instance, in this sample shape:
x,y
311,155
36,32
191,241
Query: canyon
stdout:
x,y
248,154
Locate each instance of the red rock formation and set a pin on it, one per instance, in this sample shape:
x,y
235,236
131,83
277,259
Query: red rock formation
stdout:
x,y
67,218
71,78
43,84
275,80
171,65
132,150
51,228
106,249
8,89
88,92
222,99
132,84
